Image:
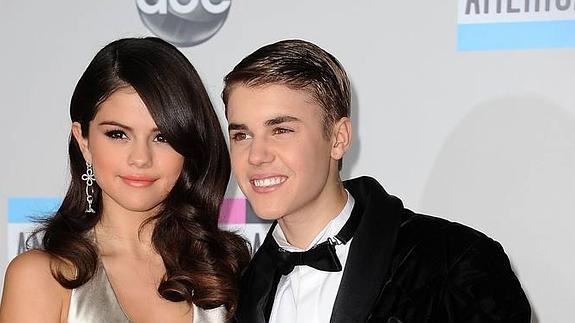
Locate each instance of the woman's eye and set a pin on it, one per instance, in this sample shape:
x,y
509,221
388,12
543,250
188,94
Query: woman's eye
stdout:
x,y
116,134
161,138
239,136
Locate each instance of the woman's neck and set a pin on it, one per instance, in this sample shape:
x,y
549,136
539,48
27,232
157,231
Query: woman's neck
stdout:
x,y
125,233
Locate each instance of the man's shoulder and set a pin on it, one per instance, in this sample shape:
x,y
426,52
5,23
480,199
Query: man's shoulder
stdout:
x,y
435,258
418,235
417,228
430,241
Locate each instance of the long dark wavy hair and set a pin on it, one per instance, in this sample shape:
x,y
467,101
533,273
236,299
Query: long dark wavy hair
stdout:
x,y
203,263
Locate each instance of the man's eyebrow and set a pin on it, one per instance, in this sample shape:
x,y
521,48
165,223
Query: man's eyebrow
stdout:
x,y
237,126
280,119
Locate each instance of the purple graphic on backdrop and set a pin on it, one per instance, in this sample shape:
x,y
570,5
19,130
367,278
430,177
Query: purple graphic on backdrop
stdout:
x,y
184,23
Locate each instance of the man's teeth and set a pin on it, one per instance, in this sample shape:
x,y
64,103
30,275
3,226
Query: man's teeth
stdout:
x,y
268,181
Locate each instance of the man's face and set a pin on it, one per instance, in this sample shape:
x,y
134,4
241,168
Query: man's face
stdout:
x,y
280,156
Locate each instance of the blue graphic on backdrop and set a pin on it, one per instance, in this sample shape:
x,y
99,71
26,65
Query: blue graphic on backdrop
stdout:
x,y
515,24
22,213
26,209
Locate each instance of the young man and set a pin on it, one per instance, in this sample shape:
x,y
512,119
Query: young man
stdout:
x,y
343,251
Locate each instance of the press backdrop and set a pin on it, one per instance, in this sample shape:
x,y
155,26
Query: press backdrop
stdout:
x,y
464,109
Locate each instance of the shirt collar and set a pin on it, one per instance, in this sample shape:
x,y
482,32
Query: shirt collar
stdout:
x,y
330,230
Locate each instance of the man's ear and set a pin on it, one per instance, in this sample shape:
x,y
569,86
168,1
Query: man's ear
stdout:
x,y
341,138
82,142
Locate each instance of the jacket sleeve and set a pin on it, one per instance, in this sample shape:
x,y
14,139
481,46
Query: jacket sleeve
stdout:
x,y
481,287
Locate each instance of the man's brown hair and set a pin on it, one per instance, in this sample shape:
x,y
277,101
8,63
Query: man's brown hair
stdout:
x,y
299,65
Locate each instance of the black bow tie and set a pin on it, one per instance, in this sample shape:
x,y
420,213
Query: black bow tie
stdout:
x,y
321,257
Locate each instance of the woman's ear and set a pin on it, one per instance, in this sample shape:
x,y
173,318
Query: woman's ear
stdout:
x,y
82,141
341,138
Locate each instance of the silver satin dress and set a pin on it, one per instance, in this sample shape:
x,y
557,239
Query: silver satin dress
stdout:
x,y
96,302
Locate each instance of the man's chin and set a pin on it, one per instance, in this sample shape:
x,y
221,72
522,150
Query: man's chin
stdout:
x,y
267,213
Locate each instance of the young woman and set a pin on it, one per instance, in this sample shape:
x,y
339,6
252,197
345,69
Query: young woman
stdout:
x,y
136,237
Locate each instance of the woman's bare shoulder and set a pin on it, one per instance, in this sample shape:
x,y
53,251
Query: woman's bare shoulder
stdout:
x,y
33,261
31,293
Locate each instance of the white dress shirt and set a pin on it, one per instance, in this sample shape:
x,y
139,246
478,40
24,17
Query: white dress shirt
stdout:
x,y
307,295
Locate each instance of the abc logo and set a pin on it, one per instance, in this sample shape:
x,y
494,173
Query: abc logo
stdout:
x,y
184,22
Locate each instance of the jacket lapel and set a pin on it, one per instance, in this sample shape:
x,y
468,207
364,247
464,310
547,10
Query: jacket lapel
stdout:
x,y
258,285
369,258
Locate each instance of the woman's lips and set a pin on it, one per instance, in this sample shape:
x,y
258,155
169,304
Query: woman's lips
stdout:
x,y
138,181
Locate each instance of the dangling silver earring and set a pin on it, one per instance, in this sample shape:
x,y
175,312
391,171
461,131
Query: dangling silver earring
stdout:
x,y
89,178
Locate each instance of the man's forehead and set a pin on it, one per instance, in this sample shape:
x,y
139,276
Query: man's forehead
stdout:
x,y
267,104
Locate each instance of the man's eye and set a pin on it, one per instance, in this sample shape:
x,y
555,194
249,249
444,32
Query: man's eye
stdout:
x,y
279,131
116,134
239,136
161,138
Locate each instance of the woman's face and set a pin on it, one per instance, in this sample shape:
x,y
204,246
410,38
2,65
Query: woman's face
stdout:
x,y
133,164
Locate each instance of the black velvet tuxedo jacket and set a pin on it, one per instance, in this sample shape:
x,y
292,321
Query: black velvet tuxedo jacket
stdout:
x,y
404,267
